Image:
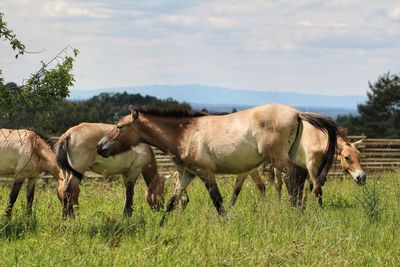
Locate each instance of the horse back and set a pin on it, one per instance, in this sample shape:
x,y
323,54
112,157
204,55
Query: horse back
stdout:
x,y
17,151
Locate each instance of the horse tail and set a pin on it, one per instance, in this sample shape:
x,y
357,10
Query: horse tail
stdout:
x,y
62,157
329,127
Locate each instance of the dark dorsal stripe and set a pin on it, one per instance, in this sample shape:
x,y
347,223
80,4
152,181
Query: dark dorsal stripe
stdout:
x,y
168,112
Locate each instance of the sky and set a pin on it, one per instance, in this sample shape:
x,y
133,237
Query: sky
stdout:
x,y
310,46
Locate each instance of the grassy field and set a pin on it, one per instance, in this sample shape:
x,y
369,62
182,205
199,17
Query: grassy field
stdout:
x,y
358,226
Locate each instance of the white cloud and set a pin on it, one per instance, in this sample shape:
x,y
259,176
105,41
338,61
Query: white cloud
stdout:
x,y
61,9
323,25
394,14
222,23
276,45
180,20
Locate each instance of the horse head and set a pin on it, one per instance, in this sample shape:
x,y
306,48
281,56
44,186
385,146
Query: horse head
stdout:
x,y
350,160
121,137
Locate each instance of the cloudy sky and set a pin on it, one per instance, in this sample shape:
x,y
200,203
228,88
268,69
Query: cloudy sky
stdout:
x,y
327,47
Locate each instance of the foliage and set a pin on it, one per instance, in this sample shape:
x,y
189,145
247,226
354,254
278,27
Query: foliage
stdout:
x,y
380,115
8,35
107,108
371,202
47,87
255,232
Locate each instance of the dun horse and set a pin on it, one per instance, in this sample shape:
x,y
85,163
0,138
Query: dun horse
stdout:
x,y
232,143
76,154
26,154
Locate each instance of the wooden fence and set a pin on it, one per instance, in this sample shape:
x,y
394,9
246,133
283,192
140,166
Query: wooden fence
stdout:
x,y
377,155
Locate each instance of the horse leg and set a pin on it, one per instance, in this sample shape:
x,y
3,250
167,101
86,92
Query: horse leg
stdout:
x,y
181,184
300,177
30,192
69,191
130,181
238,187
13,195
315,182
255,175
212,187
290,184
184,200
277,178
75,198
295,184
128,199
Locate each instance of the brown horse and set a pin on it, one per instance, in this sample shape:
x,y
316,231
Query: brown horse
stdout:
x,y
26,154
346,153
232,143
76,154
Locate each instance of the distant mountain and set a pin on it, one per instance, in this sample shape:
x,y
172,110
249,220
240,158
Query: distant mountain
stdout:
x,y
224,99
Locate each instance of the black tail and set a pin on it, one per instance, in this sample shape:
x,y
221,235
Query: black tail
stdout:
x,y
62,159
328,126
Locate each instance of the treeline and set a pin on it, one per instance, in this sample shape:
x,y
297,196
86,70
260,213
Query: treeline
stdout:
x,y
379,117
107,108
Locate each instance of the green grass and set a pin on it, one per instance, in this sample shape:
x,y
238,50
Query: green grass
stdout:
x,y
357,226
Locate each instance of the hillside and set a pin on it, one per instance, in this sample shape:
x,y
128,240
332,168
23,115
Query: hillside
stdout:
x,y
224,99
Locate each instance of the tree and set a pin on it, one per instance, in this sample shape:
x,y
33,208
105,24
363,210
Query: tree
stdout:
x,y
380,115
47,87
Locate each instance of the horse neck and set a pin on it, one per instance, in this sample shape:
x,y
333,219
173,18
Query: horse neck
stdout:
x,y
164,133
48,160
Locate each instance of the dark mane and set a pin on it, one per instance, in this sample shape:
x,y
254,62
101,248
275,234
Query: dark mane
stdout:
x,y
343,134
48,140
168,112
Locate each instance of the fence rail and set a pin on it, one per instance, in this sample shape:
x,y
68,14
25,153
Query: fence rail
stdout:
x,y
377,155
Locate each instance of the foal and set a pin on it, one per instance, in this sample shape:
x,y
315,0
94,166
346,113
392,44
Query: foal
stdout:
x,y
26,154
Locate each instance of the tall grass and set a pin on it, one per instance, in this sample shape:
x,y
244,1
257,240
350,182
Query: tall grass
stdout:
x,y
255,232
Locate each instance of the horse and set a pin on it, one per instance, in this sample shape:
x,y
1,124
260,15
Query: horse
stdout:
x,y
347,154
233,143
76,154
26,154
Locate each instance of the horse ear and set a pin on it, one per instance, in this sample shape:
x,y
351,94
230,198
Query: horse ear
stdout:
x,y
359,142
343,131
134,114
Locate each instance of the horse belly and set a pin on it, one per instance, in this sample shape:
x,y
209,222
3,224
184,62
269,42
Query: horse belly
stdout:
x,y
243,158
8,162
113,165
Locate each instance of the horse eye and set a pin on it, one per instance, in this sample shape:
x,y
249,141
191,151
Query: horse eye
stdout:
x,y
347,158
119,127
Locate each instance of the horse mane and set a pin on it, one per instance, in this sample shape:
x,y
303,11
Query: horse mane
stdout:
x,y
343,134
48,140
168,111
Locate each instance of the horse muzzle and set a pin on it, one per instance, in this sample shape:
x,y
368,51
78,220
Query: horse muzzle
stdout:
x,y
104,152
360,178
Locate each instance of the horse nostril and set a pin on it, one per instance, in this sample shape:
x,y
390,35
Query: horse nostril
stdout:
x,y
361,178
